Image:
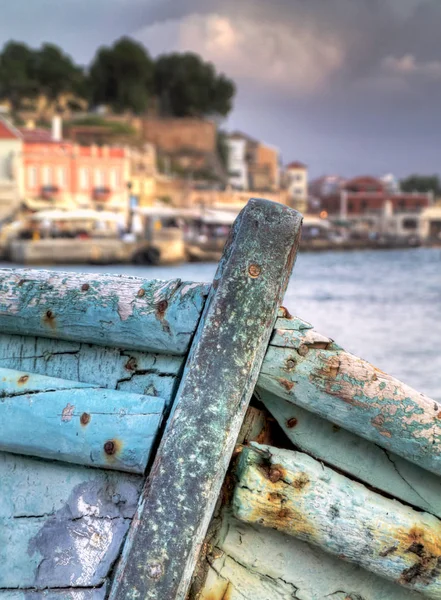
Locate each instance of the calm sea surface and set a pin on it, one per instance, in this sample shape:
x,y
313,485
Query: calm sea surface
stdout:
x,y
384,306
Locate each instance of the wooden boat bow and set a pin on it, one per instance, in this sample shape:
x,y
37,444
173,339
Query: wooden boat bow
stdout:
x,y
333,490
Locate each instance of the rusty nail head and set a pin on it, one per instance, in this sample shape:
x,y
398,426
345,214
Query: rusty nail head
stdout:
x,y
155,570
254,270
141,293
85,287
291,422
290,364
109,447
303,350
49,314
85,418
275,475
162,306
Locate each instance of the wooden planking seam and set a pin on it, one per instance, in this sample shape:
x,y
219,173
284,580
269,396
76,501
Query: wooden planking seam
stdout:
x,y
291,492
108,310
353,394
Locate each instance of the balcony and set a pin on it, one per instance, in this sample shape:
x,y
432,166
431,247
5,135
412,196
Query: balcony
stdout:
x,y
101,194
50,192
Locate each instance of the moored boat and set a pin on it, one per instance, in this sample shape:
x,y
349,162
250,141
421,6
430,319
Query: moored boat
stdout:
x,y
172,440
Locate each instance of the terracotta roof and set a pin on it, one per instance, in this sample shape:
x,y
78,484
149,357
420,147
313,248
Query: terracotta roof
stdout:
x,y
7,131
296,165
36,136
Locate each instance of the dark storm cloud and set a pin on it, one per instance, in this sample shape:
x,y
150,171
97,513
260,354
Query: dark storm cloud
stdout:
x,y
347,85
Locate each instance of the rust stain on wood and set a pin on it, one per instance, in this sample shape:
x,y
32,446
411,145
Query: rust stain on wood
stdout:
x,y
49,319
286,383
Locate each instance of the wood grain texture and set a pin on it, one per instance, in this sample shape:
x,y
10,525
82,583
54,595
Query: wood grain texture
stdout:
x,y
293,493
183,486
64,594
77,423
61,525
108,310
356,456
314,373
113,368
253,562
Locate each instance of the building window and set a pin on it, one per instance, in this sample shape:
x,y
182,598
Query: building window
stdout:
x,y
47,175
364,204
32,177
62,177
114,179
84,178
298,191
99,178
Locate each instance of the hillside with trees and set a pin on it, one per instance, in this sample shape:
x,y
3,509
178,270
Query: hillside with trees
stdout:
x,y
123,77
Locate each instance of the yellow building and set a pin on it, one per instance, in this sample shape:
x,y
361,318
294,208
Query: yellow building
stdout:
x,y
143,174
296,175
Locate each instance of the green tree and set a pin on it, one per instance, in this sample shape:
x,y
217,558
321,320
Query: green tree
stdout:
x,y
187,86
122,77
422,184
17,73
56,73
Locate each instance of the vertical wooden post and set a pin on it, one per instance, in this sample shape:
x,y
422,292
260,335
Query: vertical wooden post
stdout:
x,y
179,497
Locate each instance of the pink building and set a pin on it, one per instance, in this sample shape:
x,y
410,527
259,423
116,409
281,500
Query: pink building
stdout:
x,y
66,174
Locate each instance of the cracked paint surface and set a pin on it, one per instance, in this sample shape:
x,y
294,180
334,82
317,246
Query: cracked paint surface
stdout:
x,y
292,492
72,421
105,310
352,393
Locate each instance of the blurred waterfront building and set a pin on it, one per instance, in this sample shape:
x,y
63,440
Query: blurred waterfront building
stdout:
x,y
52,172
252,165
11,188
296,174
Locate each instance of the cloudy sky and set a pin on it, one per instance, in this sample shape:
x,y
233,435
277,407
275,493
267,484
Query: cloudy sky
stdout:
x,y
347,86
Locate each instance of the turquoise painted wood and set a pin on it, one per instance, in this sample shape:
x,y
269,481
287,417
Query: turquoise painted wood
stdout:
x,y
121,311
291,492
178,501
308,369
61,525
114,368
359,458
75,422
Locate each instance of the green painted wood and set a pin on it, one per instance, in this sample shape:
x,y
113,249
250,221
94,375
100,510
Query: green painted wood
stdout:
x,y
61,525
108,310
226,355
114,368
75,422
293,493
311,371
356,456
257,563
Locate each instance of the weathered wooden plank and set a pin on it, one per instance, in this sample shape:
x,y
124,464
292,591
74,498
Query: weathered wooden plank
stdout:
x,y
178,501
75,422
126,370
63,594
292,492
314,373
356,456
256,563
61,525
109,310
